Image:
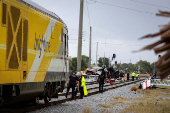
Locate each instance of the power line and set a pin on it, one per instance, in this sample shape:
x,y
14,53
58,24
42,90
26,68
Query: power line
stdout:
x,y
86,17
149,4
121,44
75,29
88,13
121,7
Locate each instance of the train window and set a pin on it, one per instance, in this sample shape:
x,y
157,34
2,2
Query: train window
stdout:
x,y
4,12
25,38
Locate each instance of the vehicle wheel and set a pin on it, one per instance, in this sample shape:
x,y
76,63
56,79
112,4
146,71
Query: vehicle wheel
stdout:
x,y
46,99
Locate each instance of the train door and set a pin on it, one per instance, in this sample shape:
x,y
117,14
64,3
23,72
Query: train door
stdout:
x,y
65,49
17,35
24,50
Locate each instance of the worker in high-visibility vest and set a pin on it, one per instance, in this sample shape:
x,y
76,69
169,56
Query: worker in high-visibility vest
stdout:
x,y
133,76
82,86
137,76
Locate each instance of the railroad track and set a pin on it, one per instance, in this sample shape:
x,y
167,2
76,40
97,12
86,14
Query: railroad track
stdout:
x,y
88,89
91,91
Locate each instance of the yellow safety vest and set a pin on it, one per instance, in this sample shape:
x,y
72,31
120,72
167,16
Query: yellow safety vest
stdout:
x,y
83,84
137,75
133,74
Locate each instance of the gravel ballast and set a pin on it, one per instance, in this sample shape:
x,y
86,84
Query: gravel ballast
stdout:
x,y
93,102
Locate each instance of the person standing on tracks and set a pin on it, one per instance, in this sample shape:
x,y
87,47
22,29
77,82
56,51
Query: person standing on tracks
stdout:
x,y
128,76
133,76
101,79
72,83
82,86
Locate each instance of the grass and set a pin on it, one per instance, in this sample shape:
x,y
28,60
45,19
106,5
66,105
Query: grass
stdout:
x,y
106,105
133,88
151,102
86,109
168,87
117,100
105,111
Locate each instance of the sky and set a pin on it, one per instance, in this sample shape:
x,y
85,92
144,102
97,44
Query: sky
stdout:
x,y
119,23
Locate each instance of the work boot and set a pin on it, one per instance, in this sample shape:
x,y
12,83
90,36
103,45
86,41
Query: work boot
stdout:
x,y
75,93
71,99
66,95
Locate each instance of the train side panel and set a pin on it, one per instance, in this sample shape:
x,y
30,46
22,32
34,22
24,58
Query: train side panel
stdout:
x,y
43,36
12,38
33,49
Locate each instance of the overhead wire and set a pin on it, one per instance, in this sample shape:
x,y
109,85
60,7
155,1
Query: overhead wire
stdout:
x,y
149,4
88,12
104,3
120,44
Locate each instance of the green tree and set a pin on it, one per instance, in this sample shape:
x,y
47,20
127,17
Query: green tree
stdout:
x,y
101,61
128,67
145,67
119,66
84,63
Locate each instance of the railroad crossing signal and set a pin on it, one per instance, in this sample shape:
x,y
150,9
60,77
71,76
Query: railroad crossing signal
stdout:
x,y
114,55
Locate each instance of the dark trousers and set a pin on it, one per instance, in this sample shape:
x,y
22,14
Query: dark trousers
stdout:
x,y
101,87
81,92
73,88
128,77
136,78
132,78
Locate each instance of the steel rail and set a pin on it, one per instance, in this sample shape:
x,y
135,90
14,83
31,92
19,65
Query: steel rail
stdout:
x,y
39,106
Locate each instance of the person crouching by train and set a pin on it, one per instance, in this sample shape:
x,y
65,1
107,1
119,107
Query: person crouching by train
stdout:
x,y
102,80
137,76
72,83
82,86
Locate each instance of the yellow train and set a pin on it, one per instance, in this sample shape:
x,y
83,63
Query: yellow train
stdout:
x,y
33,52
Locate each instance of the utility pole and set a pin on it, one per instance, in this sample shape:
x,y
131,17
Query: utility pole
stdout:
x,y
139,69
153,68
80,36
96,52
90,49
104,52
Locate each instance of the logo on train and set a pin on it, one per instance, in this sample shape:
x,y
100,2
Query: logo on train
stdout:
x,y
41,44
